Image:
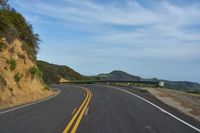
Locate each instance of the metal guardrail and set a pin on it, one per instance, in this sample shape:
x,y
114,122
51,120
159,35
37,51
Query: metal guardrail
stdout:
x,y
117,82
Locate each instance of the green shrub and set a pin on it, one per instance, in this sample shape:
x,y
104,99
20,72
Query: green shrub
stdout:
x,y
3,81
34,71
13,25
12,64
52,73
10,89
17,77
193,91
46,88
3,2
2,46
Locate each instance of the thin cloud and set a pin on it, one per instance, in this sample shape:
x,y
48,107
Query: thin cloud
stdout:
x,y
125,29
164,25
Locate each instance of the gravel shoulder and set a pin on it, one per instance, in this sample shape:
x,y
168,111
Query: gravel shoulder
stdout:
x,y
185,102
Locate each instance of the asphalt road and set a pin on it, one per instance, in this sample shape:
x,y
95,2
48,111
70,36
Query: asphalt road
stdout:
x,y
109,110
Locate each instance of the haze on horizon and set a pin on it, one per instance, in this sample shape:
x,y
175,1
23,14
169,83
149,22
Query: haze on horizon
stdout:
x,y
145,38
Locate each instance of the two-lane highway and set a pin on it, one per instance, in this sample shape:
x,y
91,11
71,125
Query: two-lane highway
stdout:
x,y
76,119
109,110
50,116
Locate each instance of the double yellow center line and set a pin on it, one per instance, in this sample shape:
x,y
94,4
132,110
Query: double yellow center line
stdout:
x,y
76,119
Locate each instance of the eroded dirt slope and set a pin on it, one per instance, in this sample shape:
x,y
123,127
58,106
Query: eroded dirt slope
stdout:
x,y
20,79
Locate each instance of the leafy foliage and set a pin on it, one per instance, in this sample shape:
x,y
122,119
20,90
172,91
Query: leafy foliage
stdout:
x,y
46,88
34,71
2,46
52,73
3,3
17,77
14,25
12,64
2,81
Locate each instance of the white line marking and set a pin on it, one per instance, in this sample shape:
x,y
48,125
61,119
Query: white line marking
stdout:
x,y
86,111
6,111
74,111
164,111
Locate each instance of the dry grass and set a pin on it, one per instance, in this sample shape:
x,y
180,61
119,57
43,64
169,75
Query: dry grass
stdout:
x,y
185,102
25,100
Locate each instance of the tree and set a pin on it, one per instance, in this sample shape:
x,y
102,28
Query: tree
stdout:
x,y
3,3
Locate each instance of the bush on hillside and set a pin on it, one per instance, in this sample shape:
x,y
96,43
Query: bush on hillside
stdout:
x,y
2,46
52,73
17,77
2,81
12,64
34,71
13,25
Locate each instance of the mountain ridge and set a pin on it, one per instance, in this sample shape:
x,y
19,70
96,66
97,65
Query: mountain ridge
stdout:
x,y
117,75
61,71
53,73
175,85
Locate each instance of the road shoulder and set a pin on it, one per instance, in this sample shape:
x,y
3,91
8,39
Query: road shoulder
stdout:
x,y
184,102
11,107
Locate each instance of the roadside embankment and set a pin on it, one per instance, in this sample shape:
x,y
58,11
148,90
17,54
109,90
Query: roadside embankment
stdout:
x,y
185,102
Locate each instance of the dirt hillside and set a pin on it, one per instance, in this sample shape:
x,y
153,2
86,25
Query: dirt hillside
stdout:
x,y
20,78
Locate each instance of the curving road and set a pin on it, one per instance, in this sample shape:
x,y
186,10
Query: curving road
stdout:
x,y
98,109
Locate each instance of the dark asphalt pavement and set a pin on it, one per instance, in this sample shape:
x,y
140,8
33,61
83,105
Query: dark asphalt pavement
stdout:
x,y
110,111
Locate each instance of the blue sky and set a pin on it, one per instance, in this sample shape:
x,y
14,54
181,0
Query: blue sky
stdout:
x,y
149,38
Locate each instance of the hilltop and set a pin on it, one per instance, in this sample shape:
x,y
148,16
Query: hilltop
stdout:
x,y
175,85
117,75
183,86
54,73
20,79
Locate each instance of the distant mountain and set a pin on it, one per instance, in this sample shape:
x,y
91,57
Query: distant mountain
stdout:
x,y
176,85
183,85
54,73
179,85
117,75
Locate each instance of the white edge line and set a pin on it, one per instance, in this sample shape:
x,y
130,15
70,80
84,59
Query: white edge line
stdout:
x,y
161,109
6,111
